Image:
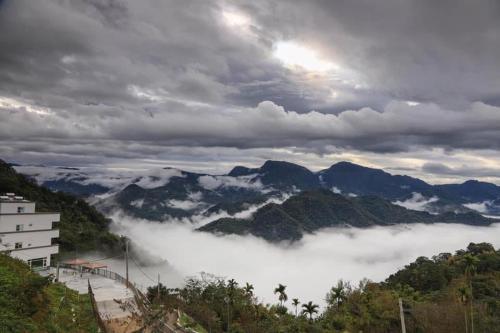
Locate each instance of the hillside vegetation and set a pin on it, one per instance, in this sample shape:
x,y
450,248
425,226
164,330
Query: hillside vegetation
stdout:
x,y
442,294
31,303
82,227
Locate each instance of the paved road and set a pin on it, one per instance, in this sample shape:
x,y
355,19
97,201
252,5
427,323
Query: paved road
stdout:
x,y
115,302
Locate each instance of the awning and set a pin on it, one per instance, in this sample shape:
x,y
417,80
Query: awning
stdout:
x,y
75,262
94,265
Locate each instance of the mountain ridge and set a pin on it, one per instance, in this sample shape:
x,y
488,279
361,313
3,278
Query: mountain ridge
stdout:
x,y
169,192
310,211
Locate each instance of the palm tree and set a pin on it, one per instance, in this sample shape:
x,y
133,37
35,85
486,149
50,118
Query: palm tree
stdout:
x,y
248,289
337,295
283,297
231,284
464,297
295,303
310,309
470,262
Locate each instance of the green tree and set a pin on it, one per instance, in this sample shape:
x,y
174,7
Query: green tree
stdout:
x,y
295,303
153,295
310,309
470,262
248,289
282,297
231,285
337,294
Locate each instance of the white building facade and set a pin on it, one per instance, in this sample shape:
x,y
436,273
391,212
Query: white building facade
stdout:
x,y
26,234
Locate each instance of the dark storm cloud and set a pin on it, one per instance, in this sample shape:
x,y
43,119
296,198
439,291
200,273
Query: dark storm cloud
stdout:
x,y
123,79
463,171
446,51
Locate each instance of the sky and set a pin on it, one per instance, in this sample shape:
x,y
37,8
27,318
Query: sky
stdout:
x,y
409,86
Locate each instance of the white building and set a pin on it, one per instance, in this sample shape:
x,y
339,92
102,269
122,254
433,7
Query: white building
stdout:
x,y
25,234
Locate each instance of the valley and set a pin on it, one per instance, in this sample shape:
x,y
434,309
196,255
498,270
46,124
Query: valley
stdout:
x,y
251,227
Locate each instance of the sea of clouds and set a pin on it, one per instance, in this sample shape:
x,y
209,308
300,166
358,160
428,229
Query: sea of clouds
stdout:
x,y
309,267
416,202
114,179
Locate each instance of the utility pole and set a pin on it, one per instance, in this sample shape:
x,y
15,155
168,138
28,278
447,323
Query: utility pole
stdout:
x,y
158,286
57,272
126,263
227,300
471,307
402,315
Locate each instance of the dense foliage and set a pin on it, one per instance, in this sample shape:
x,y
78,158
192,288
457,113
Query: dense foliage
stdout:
x,y
309,211
31,303
82,227
442,294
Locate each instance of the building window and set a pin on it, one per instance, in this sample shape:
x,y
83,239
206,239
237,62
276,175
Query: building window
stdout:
x,y
19,245
20,209
19,227
37,263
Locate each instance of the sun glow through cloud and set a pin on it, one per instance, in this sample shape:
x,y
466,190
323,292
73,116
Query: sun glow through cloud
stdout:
x,y
11,103
232,18
294,55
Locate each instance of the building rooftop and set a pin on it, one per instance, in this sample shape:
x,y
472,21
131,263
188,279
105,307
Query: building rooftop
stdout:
x,y
13,198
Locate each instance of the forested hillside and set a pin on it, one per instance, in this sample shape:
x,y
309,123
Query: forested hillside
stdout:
x,y
31,303
442,294
82,227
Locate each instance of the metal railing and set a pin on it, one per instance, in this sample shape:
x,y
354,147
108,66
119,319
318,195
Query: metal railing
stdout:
x,y
141,300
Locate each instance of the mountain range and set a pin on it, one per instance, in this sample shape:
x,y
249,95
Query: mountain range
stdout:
x,y
161,194
277,201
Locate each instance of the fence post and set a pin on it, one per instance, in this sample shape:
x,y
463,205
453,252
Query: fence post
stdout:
x,y
402,316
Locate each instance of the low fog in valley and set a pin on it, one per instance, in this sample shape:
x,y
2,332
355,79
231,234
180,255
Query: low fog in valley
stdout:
x,y
309,267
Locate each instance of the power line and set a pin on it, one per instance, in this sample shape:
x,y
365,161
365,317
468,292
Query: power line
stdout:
x,y
138,266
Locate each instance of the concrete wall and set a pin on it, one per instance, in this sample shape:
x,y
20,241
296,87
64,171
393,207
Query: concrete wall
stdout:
x,y
36,232
27,254
11,207
30,222
29,239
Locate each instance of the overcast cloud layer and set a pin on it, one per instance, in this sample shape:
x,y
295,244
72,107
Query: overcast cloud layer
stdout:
x,y
410,85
